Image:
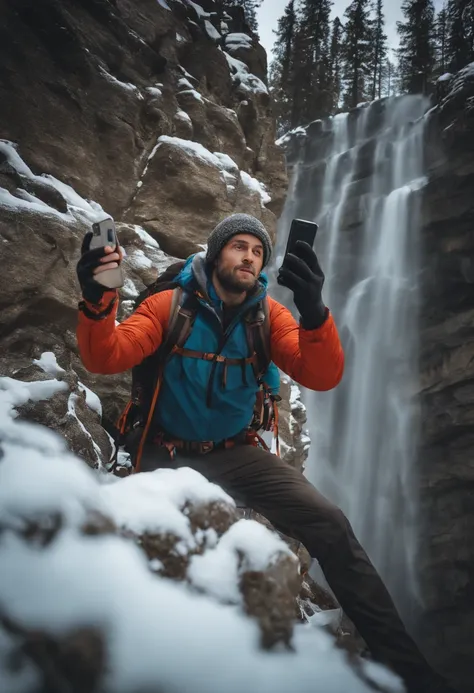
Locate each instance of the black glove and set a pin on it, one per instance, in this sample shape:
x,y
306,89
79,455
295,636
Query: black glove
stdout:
x,y
92,291
301,273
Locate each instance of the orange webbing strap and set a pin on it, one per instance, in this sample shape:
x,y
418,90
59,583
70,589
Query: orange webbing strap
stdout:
x,y
204,356
123,418
136,469
275,429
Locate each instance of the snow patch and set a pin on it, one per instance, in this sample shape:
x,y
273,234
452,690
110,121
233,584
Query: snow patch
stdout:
x,y
238,40
256,186
128,86
300,131
48,363
92,400
202,14
243,78
78,208
211,31
155,92
164,4
192,92
71,410
138,260
246,546
184,83
145,237
182,115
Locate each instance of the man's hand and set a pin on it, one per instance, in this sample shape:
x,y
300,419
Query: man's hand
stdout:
x,y
301,273
91,264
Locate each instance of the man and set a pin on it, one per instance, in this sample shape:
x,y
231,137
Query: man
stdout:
x,y
212,400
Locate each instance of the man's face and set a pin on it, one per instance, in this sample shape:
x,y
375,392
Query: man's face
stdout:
x,y
239,263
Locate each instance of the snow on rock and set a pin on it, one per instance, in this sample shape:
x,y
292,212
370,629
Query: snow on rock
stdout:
x,y
192,148
138,260
211,31
445,78
48,363
243,78
202,14
182,115
155,92
129,291
246,546
92,400
256,186
154,502
71,410
85,566
296,132
238,40
128,86
16,392
184,83
457,84
77,208
192,92
164,4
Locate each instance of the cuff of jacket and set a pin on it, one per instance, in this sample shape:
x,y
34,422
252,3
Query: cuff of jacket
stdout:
x,y
315,322
101,310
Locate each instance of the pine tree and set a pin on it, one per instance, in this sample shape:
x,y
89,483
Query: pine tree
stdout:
x,y
298,76
379,54
315,76
282,67
250,10
417,51
460,33
441,41
357,53
335,65
389,78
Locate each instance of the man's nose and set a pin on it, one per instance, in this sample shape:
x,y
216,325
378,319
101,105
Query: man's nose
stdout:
x,y
248,258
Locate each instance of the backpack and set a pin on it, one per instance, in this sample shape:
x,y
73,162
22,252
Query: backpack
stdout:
x,y
134,423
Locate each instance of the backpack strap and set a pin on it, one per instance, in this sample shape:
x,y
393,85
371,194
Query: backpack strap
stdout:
x,y
257,326
183,312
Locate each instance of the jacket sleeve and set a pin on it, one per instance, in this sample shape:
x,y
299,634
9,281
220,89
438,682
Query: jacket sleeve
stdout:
x,y
107,347
313,358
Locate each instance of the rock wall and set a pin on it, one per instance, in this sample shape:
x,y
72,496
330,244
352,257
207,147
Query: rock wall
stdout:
x,y
446,458
157,114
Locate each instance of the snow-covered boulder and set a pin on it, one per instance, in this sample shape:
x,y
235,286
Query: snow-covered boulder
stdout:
x,y
86,602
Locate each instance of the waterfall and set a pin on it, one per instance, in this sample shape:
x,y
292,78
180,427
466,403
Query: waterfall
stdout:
x,y
357,176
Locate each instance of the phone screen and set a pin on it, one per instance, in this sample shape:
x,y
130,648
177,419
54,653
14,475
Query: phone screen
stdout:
x,y
301,230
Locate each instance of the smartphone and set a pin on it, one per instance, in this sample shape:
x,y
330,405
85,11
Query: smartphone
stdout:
x,y
301,230
104,233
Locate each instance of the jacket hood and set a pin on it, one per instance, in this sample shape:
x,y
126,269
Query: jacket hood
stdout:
x,y
195,274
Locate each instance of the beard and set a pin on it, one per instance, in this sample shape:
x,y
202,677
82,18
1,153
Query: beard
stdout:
x,y
232,282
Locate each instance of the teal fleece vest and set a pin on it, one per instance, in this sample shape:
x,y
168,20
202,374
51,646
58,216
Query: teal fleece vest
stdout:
x,y
182,410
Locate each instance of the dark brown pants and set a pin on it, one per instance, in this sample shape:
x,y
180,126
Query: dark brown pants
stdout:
x,y
283,495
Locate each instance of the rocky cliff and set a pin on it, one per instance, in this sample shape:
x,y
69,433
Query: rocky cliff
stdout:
x,y
158,114
446,459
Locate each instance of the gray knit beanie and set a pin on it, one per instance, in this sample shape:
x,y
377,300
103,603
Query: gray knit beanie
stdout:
x,y
231,226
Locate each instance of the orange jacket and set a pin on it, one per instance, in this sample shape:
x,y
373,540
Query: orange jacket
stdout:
x,y
313,358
